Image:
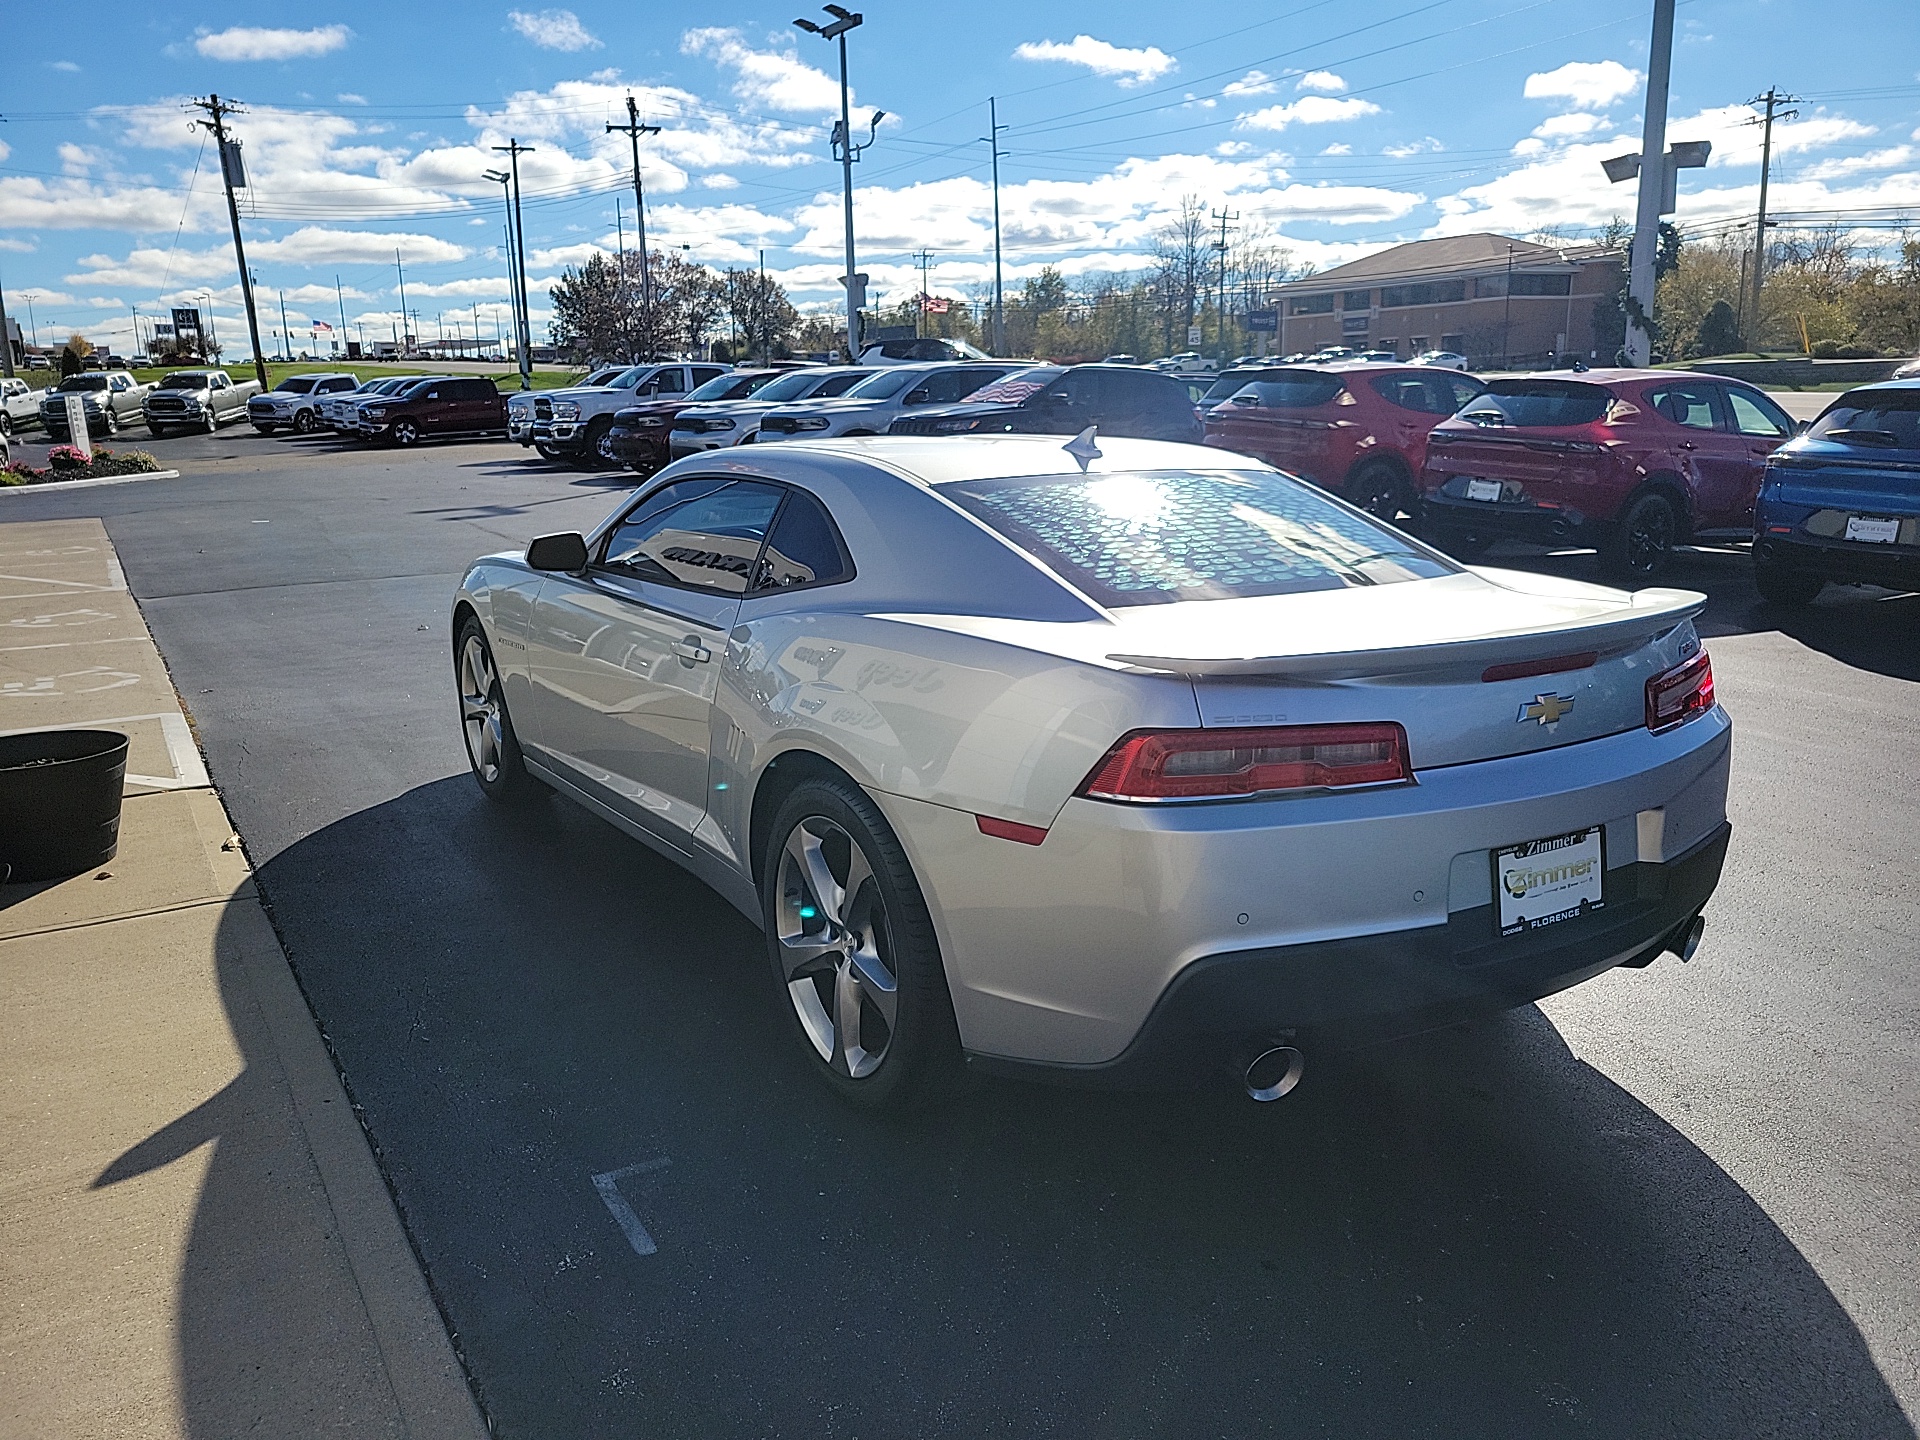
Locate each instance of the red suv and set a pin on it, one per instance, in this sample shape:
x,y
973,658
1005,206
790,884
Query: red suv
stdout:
x,y
1357,430
1634,462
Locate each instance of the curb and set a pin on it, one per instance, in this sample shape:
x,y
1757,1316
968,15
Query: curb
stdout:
x,y
45,485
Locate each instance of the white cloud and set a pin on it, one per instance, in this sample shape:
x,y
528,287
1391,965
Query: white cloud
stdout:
x,y
1414,147
1587,85
67,65
248,42
1254,82
1888,159
1339,147
719,180
553,29
349,98
1309,110
1572,126
1128,67
1324,82
777,79
1232,148
76,159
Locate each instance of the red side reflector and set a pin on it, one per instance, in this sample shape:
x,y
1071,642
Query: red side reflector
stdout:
x,y
1010,830
1682,693
1218,764
1555,665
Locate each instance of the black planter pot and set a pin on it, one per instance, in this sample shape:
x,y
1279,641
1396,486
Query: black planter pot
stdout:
x,y
59,801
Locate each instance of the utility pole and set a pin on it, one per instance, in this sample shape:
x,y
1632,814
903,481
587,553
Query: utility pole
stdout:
x,y
504,181
620,243
1506,314
513,150
766,331
1773,100
992,137
286,335
846,152
1220,293
633,130
402,272
919,323
6,339
217,111
1646,219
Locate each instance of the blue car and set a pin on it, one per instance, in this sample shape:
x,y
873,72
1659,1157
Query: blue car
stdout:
x,y
1842,501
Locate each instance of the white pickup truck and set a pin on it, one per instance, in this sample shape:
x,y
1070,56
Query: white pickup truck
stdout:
x,y
294,404
196,400
573,423
19,405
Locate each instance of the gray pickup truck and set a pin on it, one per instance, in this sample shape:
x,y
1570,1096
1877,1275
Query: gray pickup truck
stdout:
x,y
112,400
196,400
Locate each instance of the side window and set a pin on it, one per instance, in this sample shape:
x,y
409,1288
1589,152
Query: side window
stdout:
x,y
707,539
1688,405
670,381
1412,392
481,390
1755,416
1460,389
1152,394
1078,388
704,373
804,549
946,387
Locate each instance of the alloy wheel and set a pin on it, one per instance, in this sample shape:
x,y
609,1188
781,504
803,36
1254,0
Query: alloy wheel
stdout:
x,y
834,946
480,709
303,423
405,432
1650,535
603,448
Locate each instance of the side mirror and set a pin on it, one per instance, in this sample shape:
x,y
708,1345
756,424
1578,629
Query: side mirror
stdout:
x,y
564,553
1800,427
1246,400
916,397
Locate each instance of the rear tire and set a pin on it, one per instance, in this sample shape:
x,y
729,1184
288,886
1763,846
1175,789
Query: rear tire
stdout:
x,y
600,446
1379,488
1642,541
6,423
1780,586
856,965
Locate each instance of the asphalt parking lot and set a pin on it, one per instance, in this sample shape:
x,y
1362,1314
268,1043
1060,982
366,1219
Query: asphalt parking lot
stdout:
x,y
1678,1201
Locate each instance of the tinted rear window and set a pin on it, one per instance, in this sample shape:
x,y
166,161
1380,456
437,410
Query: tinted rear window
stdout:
x,y
1873,420
1231,383
730,386
1152,537
1012,389
1538,404
1300,390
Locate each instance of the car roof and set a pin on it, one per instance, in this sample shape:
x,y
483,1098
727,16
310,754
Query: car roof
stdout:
x,y
941,460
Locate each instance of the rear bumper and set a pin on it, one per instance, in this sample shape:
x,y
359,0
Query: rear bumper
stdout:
x,y
1342,993
1495,518
1895,566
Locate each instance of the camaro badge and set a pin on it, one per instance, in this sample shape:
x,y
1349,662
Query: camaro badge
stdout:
x,y
1546,709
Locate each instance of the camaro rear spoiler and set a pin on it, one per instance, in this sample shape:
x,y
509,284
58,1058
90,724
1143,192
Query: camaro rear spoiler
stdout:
x,y
1652,612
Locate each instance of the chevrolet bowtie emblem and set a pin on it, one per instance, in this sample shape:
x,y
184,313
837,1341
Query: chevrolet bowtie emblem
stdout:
x,y
1546,709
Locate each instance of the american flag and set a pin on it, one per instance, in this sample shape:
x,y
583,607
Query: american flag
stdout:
x,y
935,304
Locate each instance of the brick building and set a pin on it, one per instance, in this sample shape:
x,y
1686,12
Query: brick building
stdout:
x,y
1502,303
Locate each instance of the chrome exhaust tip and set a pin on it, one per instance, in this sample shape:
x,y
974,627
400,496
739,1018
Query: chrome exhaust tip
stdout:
x,y
1274,1073
1690,938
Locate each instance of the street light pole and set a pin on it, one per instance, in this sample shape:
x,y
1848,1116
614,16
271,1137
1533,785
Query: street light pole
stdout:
x,y
513,149
505,182
843,21
1646,219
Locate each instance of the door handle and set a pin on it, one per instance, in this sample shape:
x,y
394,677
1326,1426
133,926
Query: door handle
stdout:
x,y
1686,445
691,651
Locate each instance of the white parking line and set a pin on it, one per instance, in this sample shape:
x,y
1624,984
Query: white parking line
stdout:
x,y
189,770
609,1187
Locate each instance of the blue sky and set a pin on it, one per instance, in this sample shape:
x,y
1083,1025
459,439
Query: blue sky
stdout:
x,y
1332,127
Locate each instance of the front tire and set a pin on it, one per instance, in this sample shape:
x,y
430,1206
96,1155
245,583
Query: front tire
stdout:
x,y
405,433
263,429
493,751
1780,586
854,953
1642,542
303,423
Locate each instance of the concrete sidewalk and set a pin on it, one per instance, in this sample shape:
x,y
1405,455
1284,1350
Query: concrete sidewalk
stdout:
x,y
194,1239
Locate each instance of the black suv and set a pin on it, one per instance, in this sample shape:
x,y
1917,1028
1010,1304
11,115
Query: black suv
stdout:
x,y
1064,400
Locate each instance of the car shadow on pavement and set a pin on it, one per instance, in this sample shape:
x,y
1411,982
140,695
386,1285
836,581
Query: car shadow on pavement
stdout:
x,y
1472,1234
1862,626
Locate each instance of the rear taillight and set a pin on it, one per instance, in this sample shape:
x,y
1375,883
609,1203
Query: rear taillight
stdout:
x,y
1680,694
1220,764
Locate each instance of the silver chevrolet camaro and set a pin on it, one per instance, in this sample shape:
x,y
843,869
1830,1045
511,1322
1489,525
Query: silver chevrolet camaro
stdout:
x,y
1117,760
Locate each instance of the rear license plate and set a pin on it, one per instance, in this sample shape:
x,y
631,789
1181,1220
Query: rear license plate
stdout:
x,y
1874,532
1483,489
1546,881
